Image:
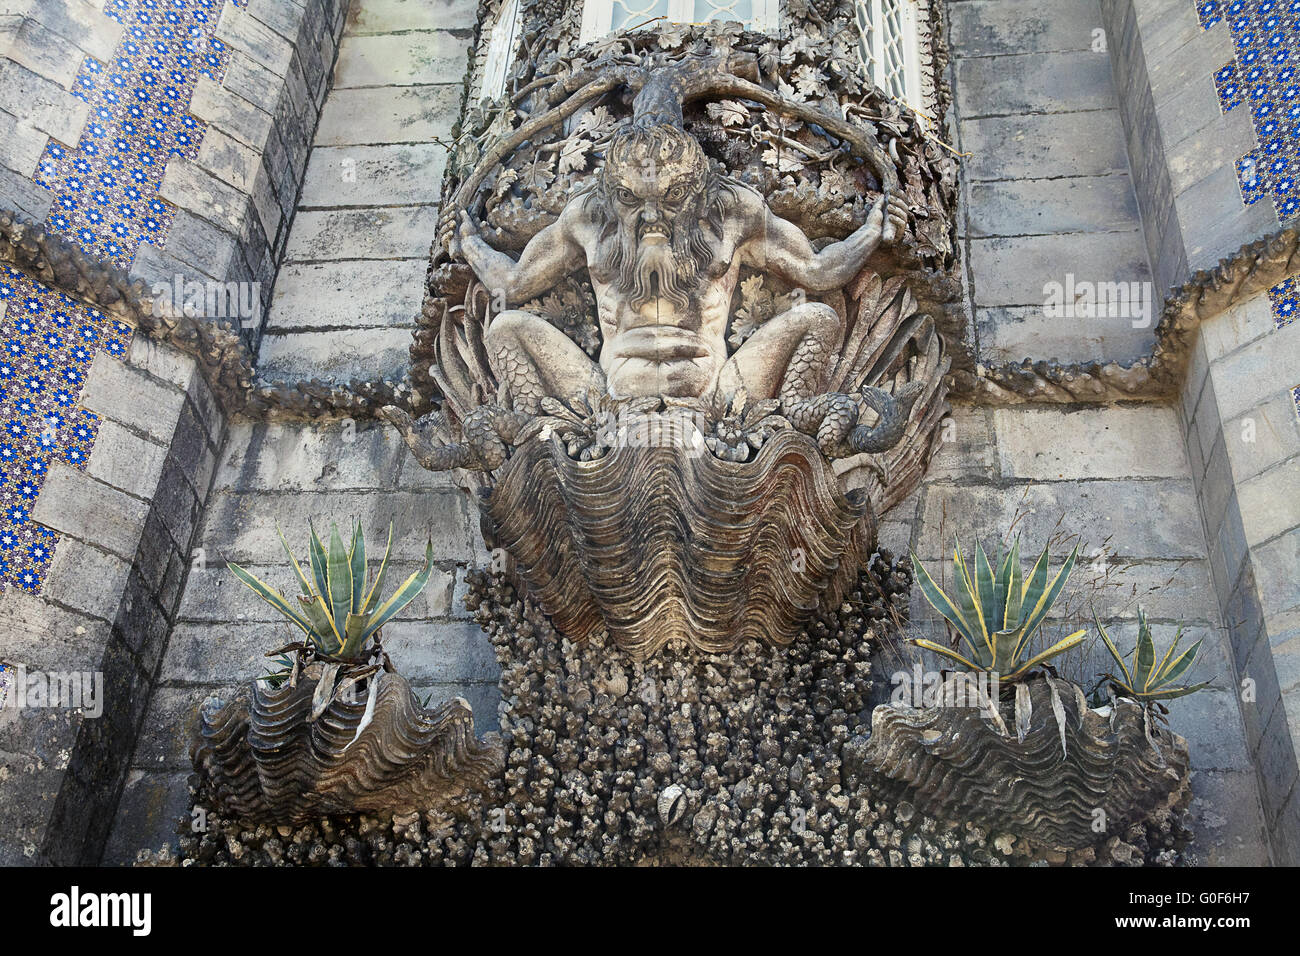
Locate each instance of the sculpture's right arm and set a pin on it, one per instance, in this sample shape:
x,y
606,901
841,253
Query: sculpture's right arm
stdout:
x,y
549,256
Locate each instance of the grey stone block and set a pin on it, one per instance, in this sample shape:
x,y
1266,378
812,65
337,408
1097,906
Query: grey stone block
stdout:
x,y
412,114
188,186
1048,445
1044,146
152,806
1227,821
1014,333
441,651
230,113
1016,271
403,59
82,22
48,637
331,456
1034,83
394,16
133,398
286,19
251,81
204,246
243,32
348,294
241,528
21,146
1275,565
23,195
1114,515
1269,503
161,361
41,103
404,232
999,27
74,503
1257,372
125,460
1276,763
44,52
337,356
396,175
86,579
1042,206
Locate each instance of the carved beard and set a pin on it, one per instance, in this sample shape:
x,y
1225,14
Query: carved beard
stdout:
x,y
646,272
653,270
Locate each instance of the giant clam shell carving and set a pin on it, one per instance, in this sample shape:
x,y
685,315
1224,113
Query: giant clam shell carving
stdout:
x,y
268,762
662,543
1047,787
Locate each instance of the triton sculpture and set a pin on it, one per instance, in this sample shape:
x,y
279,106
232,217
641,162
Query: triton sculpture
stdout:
x,y
678,483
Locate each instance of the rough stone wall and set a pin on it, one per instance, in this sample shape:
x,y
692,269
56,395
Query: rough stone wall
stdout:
x,y
1046,187
1243,438
126,526
350,289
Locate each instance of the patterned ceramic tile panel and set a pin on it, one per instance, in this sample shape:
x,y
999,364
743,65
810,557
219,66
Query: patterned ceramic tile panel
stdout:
x,y
106,187
1266,38
106,201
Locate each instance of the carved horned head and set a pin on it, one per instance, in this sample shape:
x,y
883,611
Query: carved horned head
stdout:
x,y
655,192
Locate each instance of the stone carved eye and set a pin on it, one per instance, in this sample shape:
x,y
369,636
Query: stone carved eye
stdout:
x,y
677,193
625,195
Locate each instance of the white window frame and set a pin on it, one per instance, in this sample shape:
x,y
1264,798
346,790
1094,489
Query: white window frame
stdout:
x,y
913,93
501,48
598,16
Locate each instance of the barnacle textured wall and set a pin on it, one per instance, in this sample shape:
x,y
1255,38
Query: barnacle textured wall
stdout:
x,y
757,756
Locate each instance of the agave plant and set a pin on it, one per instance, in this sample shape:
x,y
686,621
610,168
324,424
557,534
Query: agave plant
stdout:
x,y
1148,681
337,612
996,615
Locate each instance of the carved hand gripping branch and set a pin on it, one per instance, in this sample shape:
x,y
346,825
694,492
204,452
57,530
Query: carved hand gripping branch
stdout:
x,y
735,526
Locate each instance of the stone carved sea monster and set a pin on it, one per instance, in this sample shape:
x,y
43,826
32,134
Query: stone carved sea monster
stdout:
x,y
738,526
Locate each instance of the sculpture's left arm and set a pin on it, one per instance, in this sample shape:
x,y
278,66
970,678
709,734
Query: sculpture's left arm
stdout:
x,y
781,247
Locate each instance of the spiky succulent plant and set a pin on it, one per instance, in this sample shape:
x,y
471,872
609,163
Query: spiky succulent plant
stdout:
x,y
337,612
1147,680
997,614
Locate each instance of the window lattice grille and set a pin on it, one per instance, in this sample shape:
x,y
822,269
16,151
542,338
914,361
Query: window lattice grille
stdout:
x,y
889,48
600,17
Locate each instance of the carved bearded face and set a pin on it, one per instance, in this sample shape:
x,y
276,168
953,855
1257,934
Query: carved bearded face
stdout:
x,y
654,187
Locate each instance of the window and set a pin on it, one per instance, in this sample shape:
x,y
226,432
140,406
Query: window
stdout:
x,y
600,17
501,49
889,48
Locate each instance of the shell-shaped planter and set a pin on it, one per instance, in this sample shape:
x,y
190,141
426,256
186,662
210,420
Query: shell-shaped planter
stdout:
x,y
268,761
1044,776
661,543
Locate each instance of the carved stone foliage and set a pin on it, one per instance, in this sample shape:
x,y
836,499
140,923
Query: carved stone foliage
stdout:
x,y
291,754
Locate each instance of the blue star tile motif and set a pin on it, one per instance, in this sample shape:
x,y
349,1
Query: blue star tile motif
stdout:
x,y
105,189
1266,37
47,342
106,186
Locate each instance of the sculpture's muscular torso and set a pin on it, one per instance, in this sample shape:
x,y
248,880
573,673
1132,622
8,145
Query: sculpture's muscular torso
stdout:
x,y
664,239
